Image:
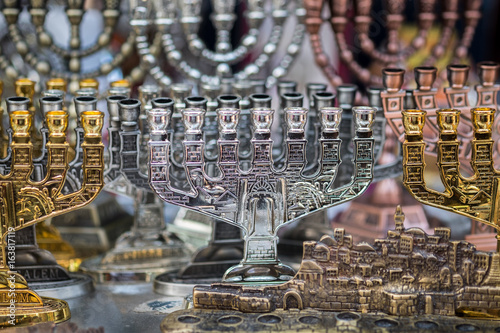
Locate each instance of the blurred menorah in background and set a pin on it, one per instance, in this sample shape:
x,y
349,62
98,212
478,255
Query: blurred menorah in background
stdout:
x,y
196,60
147,249
48,56
394,51
26,198
457,96
477,196
264,194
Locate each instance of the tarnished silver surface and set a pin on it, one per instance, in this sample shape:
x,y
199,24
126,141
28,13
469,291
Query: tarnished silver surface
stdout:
x,y
127,272
169,284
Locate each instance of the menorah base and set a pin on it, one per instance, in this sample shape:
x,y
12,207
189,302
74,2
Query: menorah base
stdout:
x,y
78,285
139,264
52,310
202,320
257,273
93,229
40,269
182,283
49,238
208,265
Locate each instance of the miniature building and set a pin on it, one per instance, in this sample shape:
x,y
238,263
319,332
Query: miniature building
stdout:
x,y
407,273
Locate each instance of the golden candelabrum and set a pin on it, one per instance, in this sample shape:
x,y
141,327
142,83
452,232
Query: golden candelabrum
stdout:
x,y
457,96
24,202
478,196
30,244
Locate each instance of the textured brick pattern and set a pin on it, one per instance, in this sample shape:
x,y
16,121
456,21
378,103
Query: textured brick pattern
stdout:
x,y
408,273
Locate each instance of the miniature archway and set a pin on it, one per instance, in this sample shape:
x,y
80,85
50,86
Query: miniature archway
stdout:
x,y
292,300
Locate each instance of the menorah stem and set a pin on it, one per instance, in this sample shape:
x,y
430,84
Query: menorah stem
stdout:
x,y
261,249
148,217
130,138
113,170
3,264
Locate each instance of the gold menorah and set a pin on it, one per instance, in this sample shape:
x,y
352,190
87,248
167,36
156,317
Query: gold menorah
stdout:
x,y
24,202
478,196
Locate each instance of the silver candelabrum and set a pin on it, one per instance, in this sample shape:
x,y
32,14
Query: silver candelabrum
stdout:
x,y
166,15
259,196
225,248
147,249
45,54
313,227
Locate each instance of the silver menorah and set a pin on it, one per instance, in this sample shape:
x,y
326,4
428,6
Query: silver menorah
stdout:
x,y
313,227
46,54
147,249
196,60
263,197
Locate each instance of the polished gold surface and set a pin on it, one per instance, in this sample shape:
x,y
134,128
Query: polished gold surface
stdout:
x,y
24,202
57,84
89,83
121,83
478,196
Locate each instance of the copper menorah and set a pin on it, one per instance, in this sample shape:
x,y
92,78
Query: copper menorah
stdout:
x,y
457,94
393,51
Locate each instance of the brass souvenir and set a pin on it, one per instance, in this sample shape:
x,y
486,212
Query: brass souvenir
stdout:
x,y
36,263
26,202
405,274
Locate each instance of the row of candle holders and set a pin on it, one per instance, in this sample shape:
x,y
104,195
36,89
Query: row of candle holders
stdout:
x,y
218,155
167,36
